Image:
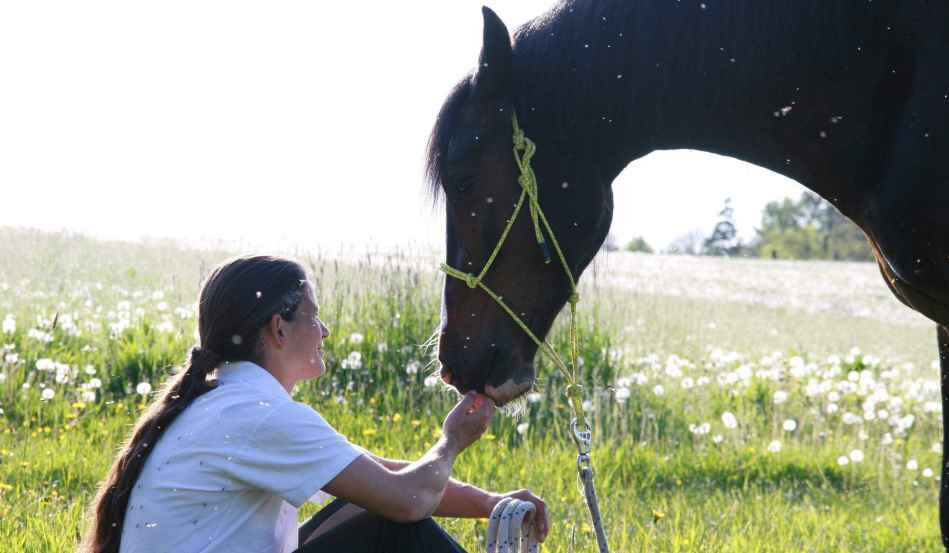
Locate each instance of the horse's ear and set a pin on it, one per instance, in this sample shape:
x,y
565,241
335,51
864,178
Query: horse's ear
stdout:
x,y
494,63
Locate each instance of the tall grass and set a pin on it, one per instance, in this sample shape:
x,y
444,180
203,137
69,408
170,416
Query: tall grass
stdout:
x,y
690,398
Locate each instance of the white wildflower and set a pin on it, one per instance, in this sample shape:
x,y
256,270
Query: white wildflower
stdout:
x,y
790,425
352,361
780,397
47,394
843,460
850,418
9,324
912,464
143,388
522,428
856,456
729,420
700,429
774,446
355,338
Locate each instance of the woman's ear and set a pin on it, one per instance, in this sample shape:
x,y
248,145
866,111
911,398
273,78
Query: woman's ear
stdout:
x,y
275,331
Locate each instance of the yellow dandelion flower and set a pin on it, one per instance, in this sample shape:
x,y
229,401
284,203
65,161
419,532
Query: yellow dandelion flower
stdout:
x,y
416,423
369,432
657,515
396,417
372,401
487,436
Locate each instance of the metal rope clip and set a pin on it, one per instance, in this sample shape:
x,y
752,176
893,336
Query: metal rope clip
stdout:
x,y
582,437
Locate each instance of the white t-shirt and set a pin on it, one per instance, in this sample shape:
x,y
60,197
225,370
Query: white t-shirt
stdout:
x,y
231,471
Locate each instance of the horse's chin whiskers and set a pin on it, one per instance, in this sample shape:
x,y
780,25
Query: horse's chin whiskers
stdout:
x,y
514,408
432,367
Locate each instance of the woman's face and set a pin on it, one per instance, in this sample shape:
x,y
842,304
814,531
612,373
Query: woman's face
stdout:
x,y
308,332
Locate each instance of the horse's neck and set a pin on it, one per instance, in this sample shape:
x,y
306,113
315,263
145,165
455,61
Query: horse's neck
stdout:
x,y
795,100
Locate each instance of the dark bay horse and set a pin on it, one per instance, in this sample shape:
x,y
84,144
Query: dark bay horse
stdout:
x,y
851,99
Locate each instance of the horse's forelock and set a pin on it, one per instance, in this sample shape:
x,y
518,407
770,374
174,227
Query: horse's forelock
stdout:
x,y
441,134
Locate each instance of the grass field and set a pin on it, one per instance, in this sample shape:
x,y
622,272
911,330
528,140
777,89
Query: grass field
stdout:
x,y
747,406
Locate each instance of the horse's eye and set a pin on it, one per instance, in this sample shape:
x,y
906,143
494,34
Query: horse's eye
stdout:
x,y
460,178
464,183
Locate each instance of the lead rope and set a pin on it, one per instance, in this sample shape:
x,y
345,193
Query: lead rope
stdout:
x,y
505,528
581,431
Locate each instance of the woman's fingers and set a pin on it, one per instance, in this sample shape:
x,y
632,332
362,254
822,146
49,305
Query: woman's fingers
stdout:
x,y
541,516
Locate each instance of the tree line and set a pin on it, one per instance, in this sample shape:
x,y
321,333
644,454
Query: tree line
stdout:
x,y
806,228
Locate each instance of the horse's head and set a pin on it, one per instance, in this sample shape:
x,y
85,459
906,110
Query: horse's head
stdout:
x,y
471,162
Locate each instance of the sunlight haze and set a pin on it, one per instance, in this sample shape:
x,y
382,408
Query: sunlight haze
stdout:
x,y
292,122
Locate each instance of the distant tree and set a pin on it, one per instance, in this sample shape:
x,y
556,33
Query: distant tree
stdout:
x,y
687,244
810,228
638,244
724,239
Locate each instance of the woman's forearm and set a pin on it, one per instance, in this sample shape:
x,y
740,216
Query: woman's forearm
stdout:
x,y
428,477
460,500
463,500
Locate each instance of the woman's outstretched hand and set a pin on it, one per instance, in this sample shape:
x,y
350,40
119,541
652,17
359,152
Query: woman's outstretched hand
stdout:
x,y
541,518
468,420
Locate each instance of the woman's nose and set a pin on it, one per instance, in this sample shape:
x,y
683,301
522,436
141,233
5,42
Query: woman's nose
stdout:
x,y
326,330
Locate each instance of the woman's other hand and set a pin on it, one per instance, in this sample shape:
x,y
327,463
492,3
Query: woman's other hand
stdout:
x,y
541,517
468,420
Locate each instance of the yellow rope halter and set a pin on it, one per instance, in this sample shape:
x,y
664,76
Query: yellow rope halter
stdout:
x,y
524,149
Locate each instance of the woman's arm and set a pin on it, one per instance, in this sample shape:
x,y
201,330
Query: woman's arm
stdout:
x,y
414,491
461,500
408,494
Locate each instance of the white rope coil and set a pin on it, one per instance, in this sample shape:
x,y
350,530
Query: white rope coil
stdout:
x,y
508,532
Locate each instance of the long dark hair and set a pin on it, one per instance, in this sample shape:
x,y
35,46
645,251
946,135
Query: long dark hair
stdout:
x,y
236,300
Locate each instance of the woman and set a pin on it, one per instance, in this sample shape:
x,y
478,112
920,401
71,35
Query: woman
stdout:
x,y
224,457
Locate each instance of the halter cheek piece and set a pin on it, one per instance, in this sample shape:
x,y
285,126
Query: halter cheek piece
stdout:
x,y
581,430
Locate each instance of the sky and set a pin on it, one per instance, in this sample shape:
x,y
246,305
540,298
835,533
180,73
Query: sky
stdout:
x,y
282,123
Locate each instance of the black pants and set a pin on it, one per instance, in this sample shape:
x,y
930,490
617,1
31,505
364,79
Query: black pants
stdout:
x,y
370,533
